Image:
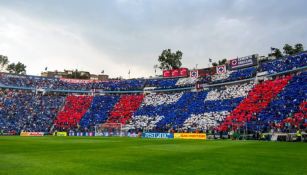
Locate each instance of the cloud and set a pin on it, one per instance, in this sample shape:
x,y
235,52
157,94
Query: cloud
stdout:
x,y
116,36
40,44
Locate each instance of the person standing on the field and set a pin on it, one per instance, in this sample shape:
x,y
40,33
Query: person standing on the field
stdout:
x,y
298,135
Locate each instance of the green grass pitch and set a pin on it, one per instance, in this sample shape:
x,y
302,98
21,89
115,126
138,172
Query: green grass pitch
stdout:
x,y
125,156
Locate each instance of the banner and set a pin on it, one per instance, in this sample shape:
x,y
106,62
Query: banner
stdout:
x,y
206,72
183,72
132,134
167,73
35,134
221,69
175,72
194,74
158,135
8,133
60,133
246,61
198,136
67,80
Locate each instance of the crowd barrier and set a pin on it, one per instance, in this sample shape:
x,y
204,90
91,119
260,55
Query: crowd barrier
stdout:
x,y
35,134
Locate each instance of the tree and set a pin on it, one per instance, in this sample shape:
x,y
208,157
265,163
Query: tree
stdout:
x,y
11,68
298,48
220,62
223,61
78,75
4,61
18,68
277,53
288,49
169,60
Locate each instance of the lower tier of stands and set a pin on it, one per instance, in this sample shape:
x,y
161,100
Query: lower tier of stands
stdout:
x,y
257,100
124,108
74,109
27,111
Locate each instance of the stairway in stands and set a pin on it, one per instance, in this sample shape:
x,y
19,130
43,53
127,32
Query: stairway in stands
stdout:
x,y
124,108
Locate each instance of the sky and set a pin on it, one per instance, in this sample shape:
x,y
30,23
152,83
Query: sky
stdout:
x,y
121,35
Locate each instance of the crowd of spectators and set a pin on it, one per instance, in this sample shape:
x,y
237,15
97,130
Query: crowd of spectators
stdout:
x,y
235,75
205,121
123,85
278,104
286,103
124,108
183,82
27,111
274,66
154,108
74,109
161,99
284,64
176,111
258,98
39,82
99,111
145,123
229,91
162,83
298,120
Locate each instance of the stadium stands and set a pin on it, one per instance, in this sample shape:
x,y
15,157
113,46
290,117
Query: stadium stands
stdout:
x,y
153,109
27,111
284,64
124,108
285,104
162,83
257,100
217,105
74,109
277,102
99,111
298,120
132,84
235,75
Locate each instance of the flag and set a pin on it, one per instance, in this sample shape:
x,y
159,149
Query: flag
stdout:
x,y
221,69
273,49
210,60
194,74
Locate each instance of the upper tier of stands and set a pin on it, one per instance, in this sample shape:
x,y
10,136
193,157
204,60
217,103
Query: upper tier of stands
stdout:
x,y
284,64
37,82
